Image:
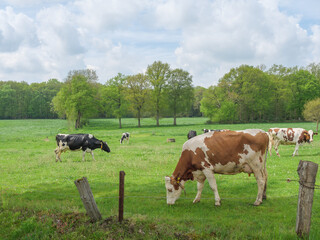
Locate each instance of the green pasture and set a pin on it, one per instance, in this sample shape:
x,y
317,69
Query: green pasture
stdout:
x,y
40,201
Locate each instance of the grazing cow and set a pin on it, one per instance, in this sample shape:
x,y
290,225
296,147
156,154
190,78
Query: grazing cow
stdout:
x,y
84,142
125,136
290,136
207,130
214,130
228,152
192,134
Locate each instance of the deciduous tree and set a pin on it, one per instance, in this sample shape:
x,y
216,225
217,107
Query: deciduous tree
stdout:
x,y
114,97
77,98
158,74
179,92
138,91
311,111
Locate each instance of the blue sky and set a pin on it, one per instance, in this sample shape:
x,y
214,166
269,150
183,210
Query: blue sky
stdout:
x,y
43,39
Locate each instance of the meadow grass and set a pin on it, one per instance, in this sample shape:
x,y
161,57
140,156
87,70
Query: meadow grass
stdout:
x,y
34,187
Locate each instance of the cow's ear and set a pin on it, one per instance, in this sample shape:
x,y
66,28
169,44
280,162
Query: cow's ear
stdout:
x,y
315,133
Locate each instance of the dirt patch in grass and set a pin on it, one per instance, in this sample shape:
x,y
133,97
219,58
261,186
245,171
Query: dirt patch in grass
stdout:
x,y
79,226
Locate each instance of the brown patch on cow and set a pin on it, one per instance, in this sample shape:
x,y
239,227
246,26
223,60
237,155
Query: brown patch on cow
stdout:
x,y
304,137
225,147
174,183
260,159
189,162
275,130
290,134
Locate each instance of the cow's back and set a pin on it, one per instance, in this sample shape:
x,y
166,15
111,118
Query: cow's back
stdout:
x,y
236,147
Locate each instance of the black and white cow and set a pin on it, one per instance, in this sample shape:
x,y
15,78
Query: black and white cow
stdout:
x,y
207,130
214,130
125,136
84,142
191,134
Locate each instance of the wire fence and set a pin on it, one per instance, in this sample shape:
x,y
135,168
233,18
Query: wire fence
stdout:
x,y
19,189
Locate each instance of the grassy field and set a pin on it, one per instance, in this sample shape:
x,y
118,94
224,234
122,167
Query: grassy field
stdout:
x,y
40,201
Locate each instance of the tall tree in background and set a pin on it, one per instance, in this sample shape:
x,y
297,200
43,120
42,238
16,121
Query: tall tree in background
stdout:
x,y
198,95
311,111
42,95
158,74
137,94
280,92
179,92
113,95
77,98
303,88
7,99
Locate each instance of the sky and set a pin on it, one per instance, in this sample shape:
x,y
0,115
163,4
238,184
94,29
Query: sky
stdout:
x,y
44,39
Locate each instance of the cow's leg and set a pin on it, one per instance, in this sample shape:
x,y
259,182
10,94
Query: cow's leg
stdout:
x,y
213,184
276,145
265,185
200,185
260,176
92,155
58,154
83,155
296,149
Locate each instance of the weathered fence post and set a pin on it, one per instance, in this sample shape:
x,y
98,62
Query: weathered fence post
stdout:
x,y
121,195
307,173
87,199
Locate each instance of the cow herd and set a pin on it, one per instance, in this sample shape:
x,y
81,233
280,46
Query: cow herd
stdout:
x,y
219,151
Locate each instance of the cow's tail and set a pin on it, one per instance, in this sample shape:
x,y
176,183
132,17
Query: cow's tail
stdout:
x,y
271,142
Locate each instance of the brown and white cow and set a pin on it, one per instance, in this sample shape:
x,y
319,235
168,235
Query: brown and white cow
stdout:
x,y
291,136
229,152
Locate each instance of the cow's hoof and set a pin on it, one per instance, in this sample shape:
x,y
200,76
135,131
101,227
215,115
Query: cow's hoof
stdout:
x,y
196,200
217,203
257,203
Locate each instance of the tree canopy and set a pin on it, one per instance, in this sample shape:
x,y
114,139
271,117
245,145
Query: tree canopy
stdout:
x,y
244,94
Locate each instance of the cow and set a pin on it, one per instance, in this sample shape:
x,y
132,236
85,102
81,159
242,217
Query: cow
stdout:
x,y
214,130
205,130
290,136
84,142
228,152
125,136
191,134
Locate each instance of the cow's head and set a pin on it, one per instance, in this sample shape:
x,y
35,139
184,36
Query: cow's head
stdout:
x,y
311,133
105,147
306,136
174,188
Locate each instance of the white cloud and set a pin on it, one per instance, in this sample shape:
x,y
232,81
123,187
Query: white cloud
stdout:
x,y
242,32
46,39
16,30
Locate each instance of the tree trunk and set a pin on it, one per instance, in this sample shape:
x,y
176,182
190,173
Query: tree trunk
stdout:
x,y
158,116
174,117
120,125
139,118
317,125
78,120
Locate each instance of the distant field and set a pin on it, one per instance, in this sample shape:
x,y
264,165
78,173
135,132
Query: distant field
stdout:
x,y
32,183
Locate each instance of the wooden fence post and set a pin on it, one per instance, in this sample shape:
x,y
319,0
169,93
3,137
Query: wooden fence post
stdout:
x,y
121,195
87,199
307,173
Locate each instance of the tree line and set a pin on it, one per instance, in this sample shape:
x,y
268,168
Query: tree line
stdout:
x,y
244,94
254,94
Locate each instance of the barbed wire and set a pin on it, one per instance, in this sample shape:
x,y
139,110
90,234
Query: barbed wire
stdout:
x,y
75,196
